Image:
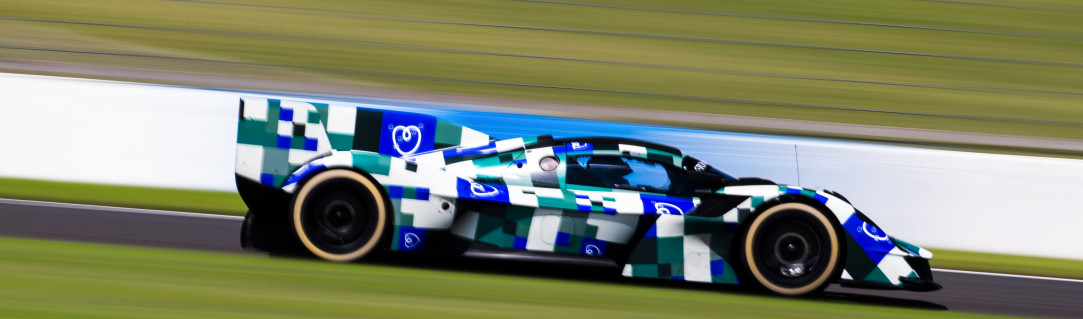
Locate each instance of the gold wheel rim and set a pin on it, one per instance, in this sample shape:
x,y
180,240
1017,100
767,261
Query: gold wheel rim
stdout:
x,y
306,190
833,253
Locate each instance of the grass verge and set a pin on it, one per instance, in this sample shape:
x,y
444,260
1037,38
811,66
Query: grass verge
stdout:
x,y
946,65
228,203
225,203
1010,264
47,279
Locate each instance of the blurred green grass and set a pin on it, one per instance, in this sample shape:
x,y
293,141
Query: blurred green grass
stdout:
x,y
1008,69
46,279
229,203
225,203
1007,264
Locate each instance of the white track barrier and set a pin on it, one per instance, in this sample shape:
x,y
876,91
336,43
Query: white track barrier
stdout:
x,y
151,135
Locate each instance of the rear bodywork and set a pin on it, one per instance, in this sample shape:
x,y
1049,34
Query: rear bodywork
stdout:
x,y
452,187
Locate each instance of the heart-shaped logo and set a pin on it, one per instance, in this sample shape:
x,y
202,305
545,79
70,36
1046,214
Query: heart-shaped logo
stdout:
x,y
409,136
667,208
592,250
411,240
482,190
873,232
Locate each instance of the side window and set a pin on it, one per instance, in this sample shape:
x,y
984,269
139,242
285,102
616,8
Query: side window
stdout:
x,y
624,173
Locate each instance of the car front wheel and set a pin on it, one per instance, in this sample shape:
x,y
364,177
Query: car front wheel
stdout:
x,y
791,249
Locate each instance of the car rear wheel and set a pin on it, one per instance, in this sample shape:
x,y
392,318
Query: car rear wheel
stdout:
x,y
339,215
791,249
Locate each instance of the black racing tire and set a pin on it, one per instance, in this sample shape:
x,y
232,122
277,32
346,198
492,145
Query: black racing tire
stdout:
x,y
270,233
791,249
247,233
339,215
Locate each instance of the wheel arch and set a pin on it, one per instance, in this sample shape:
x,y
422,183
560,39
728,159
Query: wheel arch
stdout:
x,y
797,199
304,180
326,163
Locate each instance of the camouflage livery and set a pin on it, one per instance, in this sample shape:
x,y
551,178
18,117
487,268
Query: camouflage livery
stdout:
x,y
449,183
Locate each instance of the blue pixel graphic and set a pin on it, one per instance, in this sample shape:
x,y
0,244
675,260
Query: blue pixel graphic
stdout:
x,y
406,133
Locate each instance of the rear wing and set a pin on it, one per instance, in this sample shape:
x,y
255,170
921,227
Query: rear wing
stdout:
x,y
275,137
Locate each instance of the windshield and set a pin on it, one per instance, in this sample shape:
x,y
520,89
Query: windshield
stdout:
x,y
623,173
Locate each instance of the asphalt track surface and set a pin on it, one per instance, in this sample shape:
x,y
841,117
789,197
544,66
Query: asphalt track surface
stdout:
x,y
963,291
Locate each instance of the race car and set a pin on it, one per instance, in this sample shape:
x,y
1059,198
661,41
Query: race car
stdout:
x,y
342,181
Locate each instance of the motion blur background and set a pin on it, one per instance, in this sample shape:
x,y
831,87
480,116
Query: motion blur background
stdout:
x,y
1004,67
997,76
